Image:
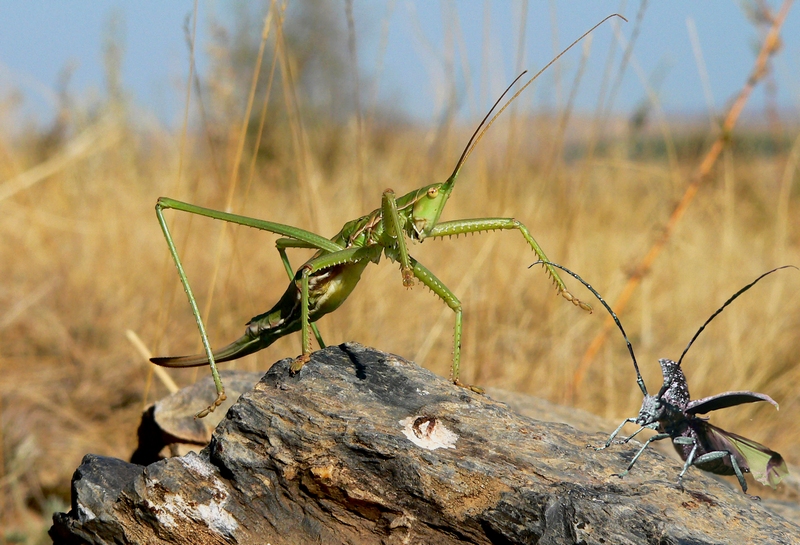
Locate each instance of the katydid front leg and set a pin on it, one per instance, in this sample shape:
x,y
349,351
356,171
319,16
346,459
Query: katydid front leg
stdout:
x,y
393,230
480,225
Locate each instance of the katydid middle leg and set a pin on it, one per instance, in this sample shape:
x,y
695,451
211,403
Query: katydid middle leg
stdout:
x,y
437,286
393,231
282,244
332,292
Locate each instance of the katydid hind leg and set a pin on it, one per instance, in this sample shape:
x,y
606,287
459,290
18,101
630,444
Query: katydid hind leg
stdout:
x,y
303,358
304,238
221,397
350,262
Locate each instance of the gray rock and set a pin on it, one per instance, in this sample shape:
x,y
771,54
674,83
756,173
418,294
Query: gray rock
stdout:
x,y
169,427
364,447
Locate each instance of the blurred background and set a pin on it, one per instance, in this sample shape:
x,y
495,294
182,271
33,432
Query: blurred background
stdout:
x,y
303,113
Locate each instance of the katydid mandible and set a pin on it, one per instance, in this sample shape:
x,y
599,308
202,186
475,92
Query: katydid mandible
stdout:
x,y
324,282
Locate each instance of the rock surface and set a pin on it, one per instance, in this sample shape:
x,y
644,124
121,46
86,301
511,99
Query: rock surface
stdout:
x,y
364,447
169,428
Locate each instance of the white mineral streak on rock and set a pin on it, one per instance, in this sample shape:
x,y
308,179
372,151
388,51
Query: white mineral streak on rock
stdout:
x,y
195,464
84,513
165,519
212,513
427,432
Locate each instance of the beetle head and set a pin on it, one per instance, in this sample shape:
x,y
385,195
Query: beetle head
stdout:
x,y
652,410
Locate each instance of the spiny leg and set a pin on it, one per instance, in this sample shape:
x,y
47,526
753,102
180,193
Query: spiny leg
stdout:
x,y
436,286
393,229
458,227
312,239
657,437
282,244
301,360
351,256
196,312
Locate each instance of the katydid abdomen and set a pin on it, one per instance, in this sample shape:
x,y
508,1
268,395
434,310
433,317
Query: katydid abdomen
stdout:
x,y
328,289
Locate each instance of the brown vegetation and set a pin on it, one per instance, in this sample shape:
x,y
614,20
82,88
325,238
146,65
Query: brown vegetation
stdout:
x,y
82,260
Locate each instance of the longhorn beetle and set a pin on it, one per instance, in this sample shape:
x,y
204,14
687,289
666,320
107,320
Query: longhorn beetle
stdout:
x,y
673,415
327,279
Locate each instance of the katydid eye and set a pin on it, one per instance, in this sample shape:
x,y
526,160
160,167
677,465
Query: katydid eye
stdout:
x,y
432,192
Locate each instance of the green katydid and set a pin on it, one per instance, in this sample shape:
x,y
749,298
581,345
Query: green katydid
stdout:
x,y
323,283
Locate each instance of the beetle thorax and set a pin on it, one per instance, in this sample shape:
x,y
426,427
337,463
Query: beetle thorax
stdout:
x,y
677,394
668,407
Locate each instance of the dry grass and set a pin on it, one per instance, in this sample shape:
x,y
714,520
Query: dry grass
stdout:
x,y
82,260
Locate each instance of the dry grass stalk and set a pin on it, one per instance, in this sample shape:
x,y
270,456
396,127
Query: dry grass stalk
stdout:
x,y
768,48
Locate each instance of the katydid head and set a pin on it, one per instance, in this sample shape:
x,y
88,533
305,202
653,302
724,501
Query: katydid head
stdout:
x,y
428,204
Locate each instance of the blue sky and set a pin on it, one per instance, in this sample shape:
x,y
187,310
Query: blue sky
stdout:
x,y
39,38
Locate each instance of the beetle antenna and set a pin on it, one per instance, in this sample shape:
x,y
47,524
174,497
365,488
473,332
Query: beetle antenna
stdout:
x,y
484,126
716,313
728,302
639,379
